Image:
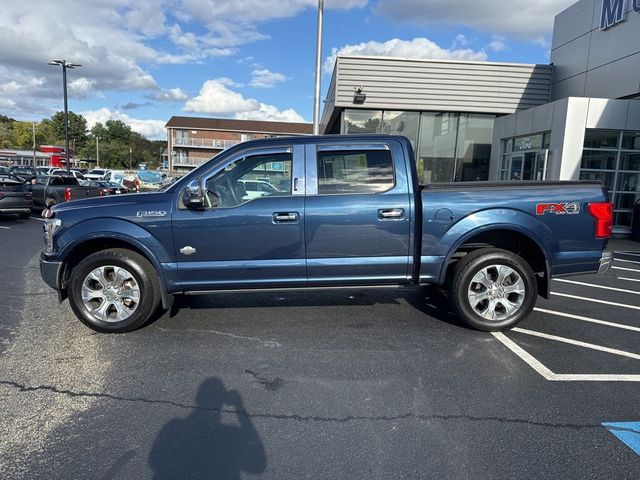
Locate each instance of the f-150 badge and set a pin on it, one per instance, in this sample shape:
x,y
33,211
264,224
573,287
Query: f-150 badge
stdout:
x,y
558,208
151,213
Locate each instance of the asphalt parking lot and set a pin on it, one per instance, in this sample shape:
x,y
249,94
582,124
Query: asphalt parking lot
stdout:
x,y
370,384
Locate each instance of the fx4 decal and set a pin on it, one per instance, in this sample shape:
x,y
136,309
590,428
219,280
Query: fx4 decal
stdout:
x,y
558,208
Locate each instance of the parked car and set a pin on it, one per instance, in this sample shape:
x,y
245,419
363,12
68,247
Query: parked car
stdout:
x,y
51,190
97,174
41,171
257,189
149,181
354,213
72,173
109,188
14,196
24,172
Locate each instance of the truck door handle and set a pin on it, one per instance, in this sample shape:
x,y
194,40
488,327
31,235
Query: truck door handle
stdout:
x,y
285,217
391,213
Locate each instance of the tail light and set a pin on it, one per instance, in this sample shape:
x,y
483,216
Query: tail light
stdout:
x,y
67,195
603,213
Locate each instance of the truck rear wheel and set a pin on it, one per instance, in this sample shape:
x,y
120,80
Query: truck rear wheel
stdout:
x,y
493,289
114,291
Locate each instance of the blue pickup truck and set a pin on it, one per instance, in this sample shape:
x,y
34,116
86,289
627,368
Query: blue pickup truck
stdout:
x,y
343,211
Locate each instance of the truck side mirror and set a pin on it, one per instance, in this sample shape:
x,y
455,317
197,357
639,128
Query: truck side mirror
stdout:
x,y
193,196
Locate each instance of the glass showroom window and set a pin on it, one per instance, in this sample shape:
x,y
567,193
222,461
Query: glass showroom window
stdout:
x,y
362,121
613,158
525,158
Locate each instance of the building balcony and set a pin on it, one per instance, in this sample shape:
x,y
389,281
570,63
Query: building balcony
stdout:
x,y
189,162
203,143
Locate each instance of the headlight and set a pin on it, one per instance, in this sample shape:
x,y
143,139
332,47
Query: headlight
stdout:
x,y
51,226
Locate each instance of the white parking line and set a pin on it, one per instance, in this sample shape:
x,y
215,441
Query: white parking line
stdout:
x,y
596,286
626,269
524,355
37,218
5,228
578,343
629,279
633,254
623,260
587,319
595,300
560,377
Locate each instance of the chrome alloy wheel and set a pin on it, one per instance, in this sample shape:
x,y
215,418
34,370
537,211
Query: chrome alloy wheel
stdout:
x,y
110,293
496,292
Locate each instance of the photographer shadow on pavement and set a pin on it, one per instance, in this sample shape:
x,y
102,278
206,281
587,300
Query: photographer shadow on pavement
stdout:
x,y
203,446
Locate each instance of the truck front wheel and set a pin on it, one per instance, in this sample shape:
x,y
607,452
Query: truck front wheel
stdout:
x,y
114,291
493,289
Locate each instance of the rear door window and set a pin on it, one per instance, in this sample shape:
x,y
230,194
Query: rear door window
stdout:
x,y
355,172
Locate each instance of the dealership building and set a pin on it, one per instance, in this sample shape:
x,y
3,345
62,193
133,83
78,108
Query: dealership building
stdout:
x,y
577,118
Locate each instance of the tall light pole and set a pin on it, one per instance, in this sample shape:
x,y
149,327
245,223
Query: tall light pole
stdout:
x,y
316,98
97,151
65,65
33,124
129,158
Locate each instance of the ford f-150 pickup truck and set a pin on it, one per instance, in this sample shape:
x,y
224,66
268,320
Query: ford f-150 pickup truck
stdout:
x,y
349,211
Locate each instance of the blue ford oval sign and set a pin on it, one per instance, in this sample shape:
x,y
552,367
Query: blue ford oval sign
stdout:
x,y
615,11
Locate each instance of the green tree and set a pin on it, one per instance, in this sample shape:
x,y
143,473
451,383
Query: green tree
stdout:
x,y
77,128
6,131
23,135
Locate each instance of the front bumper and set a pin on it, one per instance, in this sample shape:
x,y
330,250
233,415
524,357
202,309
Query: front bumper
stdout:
x,y
605,262
50,272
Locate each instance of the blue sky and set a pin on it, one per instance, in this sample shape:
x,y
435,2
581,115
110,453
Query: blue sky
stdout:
x,y
147,60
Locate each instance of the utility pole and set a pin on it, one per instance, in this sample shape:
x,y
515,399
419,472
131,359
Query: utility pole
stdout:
x,y
316,98
130,159
65,65
33,124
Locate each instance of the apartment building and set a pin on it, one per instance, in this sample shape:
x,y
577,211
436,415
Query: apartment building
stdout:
x,y
192,141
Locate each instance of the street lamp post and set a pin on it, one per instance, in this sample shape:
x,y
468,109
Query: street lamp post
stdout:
x,y
65,65
130,158
316,98
97,152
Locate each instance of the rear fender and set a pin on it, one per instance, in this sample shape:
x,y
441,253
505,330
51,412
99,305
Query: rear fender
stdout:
x,y
496,219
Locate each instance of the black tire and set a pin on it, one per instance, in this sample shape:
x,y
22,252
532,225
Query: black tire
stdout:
x,y
24,215
142,272
462,280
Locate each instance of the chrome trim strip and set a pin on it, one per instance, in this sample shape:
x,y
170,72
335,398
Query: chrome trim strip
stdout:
x,y
354,146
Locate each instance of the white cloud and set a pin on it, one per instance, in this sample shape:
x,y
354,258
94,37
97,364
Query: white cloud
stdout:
x,y
169,95
151,129
217,98
498,43
264,78
460,41
81,87
419,48
518,18
233,22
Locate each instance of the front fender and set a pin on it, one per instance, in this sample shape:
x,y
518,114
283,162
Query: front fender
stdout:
x,y
127,232
496,219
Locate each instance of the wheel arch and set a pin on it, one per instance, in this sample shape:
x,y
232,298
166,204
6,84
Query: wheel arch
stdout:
x,y
82,248
511,237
